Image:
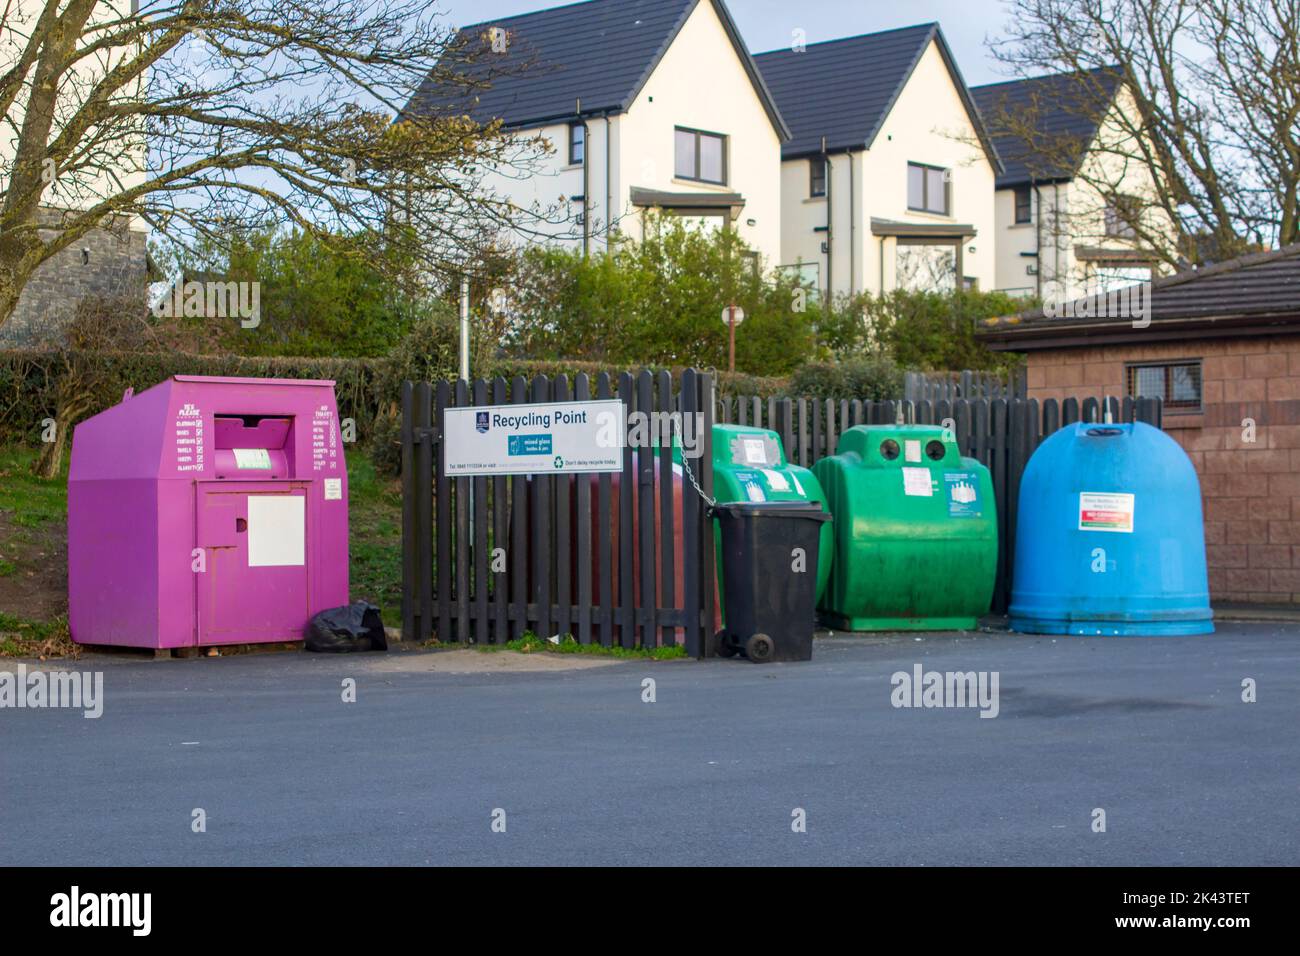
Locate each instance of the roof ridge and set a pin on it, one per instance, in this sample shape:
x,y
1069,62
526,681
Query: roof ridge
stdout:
x,y
1043,76
497,21
860,36
1247,261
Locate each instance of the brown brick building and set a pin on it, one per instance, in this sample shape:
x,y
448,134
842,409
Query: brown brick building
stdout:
x,y
1221,346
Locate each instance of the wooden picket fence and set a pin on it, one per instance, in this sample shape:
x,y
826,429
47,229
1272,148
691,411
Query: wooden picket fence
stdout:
x,y
487,558
950,386
999,433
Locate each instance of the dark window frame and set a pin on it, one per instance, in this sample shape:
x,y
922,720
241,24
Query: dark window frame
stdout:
x,y
1026,194
699,134
1119,216
925,189
574,159
817,162
1172,406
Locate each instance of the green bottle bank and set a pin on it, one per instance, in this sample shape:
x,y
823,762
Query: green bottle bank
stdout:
x,y
916,533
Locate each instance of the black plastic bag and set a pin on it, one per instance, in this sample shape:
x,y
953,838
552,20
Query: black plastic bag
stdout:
x,y
353,627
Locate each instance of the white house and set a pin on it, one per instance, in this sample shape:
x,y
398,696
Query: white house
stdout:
x,y
1067,198
647,104
887,180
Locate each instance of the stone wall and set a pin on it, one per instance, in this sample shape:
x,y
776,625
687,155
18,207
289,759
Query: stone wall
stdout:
x,y
105,262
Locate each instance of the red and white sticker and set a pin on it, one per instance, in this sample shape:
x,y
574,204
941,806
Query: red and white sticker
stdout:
x,y
1105,512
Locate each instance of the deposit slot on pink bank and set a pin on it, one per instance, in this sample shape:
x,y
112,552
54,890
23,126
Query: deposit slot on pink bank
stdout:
x,y
207,511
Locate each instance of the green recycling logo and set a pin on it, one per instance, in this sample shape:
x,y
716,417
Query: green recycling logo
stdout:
x,y
559,462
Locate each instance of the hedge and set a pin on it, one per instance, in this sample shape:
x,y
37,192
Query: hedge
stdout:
x,y
367,388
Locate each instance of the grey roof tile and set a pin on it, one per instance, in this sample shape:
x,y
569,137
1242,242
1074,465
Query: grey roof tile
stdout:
x,y
600,52
843,89
1060,109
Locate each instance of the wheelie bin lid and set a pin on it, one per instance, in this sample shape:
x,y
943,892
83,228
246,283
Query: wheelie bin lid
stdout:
x,y
775,509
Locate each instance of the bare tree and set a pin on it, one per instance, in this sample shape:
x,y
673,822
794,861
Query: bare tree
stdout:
x,y
1212,117
200,118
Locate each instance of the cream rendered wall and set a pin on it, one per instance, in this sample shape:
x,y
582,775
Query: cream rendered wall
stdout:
x,y
701,84
804,218
641,150
1110,165
928,124
1073,214
1011,270
20,17
544,187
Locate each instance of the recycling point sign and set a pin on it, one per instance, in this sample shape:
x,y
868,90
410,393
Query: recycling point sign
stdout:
x,y
551,438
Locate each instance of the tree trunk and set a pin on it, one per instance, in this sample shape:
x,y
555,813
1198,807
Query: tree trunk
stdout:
x,y
50,461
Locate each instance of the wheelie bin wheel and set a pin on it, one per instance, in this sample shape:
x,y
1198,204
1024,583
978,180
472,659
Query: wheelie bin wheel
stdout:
x,y
724,646
759,648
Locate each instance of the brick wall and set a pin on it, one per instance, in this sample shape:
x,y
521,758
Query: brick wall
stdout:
x,y
105,262
1250,489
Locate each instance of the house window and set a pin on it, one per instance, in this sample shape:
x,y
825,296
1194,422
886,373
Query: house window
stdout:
x,y
577,143
1024,205
928,189
1109,276
1120,215
1178,383
926,267
817,177
701,156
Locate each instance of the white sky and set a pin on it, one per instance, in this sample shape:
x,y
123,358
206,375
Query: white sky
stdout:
x,y
767,24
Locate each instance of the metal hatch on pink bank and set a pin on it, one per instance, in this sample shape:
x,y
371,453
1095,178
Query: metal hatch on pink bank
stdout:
x,y
207,511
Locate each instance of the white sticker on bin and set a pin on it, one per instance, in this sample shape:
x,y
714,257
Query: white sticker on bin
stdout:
x,y
916,483
755,451
775,480
333,489
277,531
912,449
252,458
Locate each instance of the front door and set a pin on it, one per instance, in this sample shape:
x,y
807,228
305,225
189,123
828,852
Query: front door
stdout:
x,y
253,588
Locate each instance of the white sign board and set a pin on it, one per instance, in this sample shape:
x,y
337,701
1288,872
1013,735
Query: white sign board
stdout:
x,y
277,531
551,439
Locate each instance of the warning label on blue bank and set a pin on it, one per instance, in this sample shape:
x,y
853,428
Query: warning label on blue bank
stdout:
x,y
529,445
963,494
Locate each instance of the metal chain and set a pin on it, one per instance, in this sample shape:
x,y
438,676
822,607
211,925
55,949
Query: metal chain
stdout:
x,y
686,467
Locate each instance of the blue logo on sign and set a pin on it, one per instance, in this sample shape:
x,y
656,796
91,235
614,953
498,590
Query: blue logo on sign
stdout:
x,y
481,422
963,494
529,445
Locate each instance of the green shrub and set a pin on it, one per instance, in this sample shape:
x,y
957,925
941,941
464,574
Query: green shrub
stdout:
x,y
864,376
934,331
658,302
319,296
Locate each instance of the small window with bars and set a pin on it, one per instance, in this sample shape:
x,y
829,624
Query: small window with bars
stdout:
x,y
1177,383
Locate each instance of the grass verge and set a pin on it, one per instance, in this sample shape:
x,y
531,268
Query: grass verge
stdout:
x,y
40,639
531,643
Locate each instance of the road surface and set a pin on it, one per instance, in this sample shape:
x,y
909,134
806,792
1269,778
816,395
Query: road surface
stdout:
x,y
719,769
